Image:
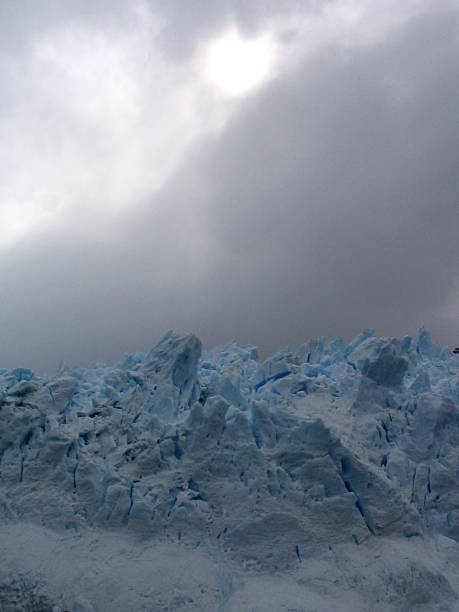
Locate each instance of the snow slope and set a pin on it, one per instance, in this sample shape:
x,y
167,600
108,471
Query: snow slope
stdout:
x,y
182,480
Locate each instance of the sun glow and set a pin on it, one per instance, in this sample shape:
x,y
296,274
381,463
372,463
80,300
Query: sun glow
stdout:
x,y
236,65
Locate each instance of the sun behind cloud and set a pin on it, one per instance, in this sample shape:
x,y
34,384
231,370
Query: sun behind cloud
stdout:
x,y
237,65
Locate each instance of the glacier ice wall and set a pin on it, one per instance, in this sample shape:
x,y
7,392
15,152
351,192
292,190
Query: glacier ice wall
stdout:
x,y
267,462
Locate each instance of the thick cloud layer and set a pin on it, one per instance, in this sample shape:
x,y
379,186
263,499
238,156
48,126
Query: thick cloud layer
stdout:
x,y
319,203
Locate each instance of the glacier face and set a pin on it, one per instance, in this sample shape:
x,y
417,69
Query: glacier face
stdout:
x,y
265,466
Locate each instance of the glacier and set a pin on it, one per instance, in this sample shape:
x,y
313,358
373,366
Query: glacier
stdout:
x,y
323,478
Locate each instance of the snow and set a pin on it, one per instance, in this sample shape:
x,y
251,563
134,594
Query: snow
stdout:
x,y
183,479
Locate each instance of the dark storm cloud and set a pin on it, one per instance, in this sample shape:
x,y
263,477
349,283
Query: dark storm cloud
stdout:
x,y
329,202
335,195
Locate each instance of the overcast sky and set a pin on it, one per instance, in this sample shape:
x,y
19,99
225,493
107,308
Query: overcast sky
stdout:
x,y
265,171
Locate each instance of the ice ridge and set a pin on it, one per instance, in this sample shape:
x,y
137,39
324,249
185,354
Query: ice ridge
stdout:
x,y
267,462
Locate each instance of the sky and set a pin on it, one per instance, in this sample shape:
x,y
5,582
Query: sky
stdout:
x,y
264,171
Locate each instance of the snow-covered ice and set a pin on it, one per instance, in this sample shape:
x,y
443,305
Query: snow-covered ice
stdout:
x,y
320,479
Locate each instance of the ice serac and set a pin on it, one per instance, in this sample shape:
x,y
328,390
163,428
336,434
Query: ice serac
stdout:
x,y
266,464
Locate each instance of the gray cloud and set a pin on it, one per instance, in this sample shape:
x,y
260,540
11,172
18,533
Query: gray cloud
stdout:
x,y
328,202
187,24
336,193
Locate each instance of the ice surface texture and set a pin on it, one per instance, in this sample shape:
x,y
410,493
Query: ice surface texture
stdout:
x,y
267,463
